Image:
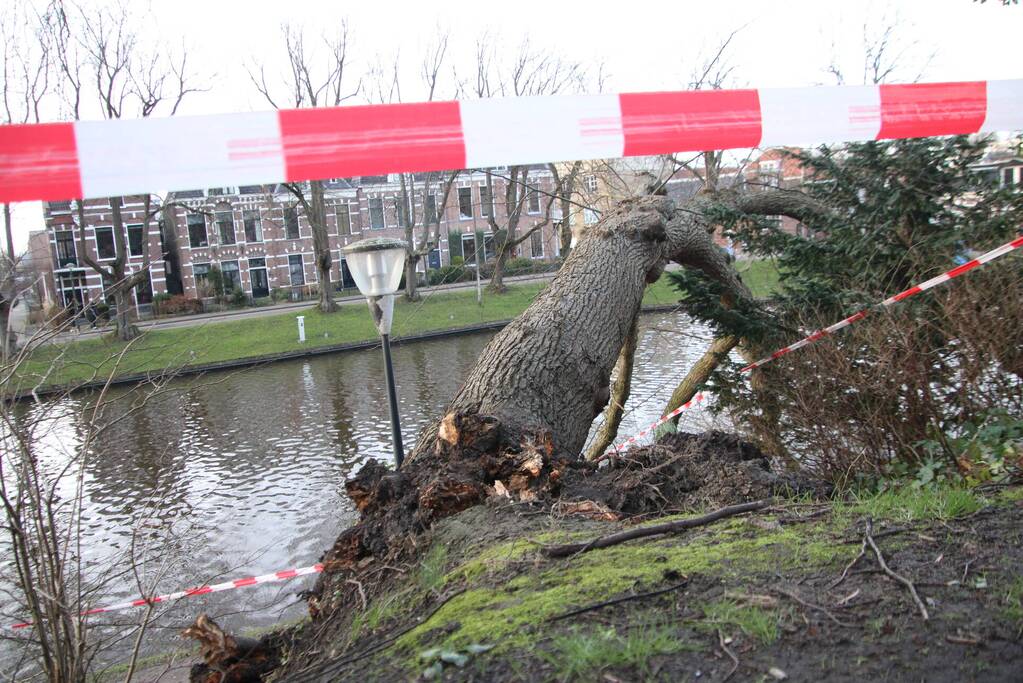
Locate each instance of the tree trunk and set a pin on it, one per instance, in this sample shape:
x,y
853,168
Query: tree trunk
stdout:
x,y
619,395
321,245
411,282
497,285
699,373
126,331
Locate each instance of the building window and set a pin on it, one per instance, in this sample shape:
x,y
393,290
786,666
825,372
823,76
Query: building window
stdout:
x,y
291,223
486,201
465,202
376,213
297,270
197,231
589,217
536,243
220,191
469,248
430,208
344,220
105,243
534,200
201,271
225,226
591,184
253,225
144,291
135,240
66,255
232,277
1007,174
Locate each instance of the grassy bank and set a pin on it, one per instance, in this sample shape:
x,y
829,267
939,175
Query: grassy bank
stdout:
x,y
779,590
211,342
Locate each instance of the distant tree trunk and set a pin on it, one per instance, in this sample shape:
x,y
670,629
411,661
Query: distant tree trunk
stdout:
x,y
317,208
620,390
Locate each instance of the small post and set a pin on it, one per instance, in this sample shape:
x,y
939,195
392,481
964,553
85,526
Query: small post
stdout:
x,y
301,327
392,403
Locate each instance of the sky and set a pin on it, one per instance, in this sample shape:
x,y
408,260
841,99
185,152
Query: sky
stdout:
x,y
649,46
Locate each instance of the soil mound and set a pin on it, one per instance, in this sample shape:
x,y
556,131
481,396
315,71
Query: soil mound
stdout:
x,y
686,471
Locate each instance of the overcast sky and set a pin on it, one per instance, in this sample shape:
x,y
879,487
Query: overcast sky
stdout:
x,y
642,46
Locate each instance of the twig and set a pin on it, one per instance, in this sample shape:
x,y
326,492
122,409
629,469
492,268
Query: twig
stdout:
x,y
362,593
655,530
810,605
845,572
731,655
617,601
887,570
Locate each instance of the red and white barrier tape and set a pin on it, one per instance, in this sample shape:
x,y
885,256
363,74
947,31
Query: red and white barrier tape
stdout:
x,y
845,322
201,590
55,161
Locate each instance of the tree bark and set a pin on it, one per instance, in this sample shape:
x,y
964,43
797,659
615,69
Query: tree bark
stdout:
x,y
317,210
620,390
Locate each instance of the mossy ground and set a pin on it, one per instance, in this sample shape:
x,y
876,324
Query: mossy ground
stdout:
x,y
502,597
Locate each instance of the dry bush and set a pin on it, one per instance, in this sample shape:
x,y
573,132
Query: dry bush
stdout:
x,y
910,387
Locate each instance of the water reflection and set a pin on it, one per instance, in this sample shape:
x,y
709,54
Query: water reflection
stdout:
x,y
243,472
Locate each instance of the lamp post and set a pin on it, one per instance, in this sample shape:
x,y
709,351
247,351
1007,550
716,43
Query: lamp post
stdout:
x,y
376,265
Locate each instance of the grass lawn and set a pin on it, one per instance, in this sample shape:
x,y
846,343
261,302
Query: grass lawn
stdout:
x,y
62,364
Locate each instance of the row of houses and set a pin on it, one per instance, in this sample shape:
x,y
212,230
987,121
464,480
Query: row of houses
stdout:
x,y
260,239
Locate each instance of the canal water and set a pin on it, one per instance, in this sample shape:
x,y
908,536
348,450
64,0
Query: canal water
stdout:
x,y
241,473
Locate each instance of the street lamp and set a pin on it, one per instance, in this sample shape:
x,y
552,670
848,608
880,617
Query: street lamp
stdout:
x,y
376,265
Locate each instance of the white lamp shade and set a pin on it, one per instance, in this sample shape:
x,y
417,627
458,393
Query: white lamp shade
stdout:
x,y
377,272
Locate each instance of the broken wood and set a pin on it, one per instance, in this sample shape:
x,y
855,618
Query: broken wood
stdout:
x,y
227,658
655,530
887,570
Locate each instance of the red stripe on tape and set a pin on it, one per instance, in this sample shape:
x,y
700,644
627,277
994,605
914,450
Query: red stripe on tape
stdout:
x,y
248,581
906,294
371,139
966,267
201,590
856,317
39,161
289,574
661,122
923,109
1017,243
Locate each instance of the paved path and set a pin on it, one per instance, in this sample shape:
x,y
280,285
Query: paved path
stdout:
x,y
277,309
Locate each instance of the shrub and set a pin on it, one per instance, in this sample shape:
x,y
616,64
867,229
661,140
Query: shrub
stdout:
x,y
448,274
239,297
895,392
177,304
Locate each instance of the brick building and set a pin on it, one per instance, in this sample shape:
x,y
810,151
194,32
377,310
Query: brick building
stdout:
x,y
74,282
260,239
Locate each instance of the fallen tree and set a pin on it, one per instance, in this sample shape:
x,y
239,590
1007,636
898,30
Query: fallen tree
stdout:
x,y
517,425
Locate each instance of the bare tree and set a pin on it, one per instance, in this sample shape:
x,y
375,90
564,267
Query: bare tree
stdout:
x,y
385,88
886,54
104,66
26,62
316,77
530,72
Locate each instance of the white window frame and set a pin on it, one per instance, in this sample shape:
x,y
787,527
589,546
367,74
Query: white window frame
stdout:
x,y
95,237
